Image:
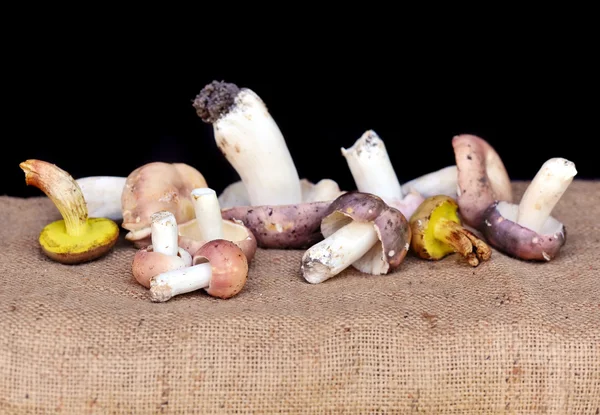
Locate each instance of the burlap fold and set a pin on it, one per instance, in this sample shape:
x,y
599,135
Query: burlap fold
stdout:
x,y
433,337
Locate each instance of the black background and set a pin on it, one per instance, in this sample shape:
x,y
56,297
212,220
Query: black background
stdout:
x,y
108,107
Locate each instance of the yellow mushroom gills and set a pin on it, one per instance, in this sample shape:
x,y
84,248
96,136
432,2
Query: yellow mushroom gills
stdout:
x,y
438,232
75,238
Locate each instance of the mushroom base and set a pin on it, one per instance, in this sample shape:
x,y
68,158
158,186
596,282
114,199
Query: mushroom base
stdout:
x,y
500,229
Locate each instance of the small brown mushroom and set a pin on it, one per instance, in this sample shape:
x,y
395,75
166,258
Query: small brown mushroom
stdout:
x,y
482,177
362,231
209,224
219,267
527,231
163,254
437,232
156,187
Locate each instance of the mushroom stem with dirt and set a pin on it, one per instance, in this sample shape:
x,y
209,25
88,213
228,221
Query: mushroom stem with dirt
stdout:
x,y
77,237
437,232
209,225
527,230
281,210
251,141
163,254
373,172
219,267
359,230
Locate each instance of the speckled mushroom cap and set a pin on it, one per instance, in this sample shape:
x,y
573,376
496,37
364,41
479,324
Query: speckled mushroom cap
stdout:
x,y
282,226
156,187
391,225
482,177
500,229
147,263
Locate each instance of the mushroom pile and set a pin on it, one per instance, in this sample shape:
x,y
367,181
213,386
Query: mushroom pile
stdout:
x,y
188,238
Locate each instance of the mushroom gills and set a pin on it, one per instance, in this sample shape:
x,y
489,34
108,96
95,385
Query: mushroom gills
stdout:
x,y
510,211
340,250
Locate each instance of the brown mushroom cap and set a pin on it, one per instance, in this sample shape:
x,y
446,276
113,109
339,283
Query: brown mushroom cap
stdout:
x,y
229,267
282,226
155,187
147,264
482,177
234,231
391,225
500,229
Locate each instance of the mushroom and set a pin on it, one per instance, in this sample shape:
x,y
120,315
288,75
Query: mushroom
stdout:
x,y
219,267
482,178
163,254
103,195
77,237
437,232
361,231
209,225
269,199
154,187
440,182
527,230
373,172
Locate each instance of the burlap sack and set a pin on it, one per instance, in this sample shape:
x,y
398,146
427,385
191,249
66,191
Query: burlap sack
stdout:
x,y
433,337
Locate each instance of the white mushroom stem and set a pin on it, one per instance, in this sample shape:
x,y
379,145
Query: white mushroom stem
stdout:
x,y
164,233
254,145
103,195
337,252
545,190
180,281
208,214
441,182
371,167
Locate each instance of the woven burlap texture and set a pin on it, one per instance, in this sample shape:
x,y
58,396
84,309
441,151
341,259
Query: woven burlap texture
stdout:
x,y
433,337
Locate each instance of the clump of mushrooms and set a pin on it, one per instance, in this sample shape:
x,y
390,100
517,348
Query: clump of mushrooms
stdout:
x,y
373,172
209,225
155,187
482,178
527,230
281,210
361,231
437,232
163,254
77,237
219,267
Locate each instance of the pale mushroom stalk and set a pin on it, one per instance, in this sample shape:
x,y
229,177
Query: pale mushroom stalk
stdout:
x,y
103,195
164,233
441,182
371,167
252,143
180,281
544,191
337,252
208,214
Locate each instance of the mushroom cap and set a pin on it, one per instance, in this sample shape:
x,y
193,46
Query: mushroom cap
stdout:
x,y
100,236
482,177
500,229
282,226
229,267
423,241
147,264
233,230
392,229
155,187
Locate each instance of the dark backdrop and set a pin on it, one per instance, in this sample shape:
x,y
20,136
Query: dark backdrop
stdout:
x,y
102,111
